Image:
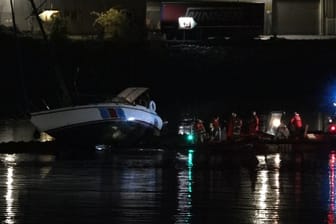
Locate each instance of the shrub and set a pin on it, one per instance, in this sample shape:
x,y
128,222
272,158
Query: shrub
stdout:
x,y
112,24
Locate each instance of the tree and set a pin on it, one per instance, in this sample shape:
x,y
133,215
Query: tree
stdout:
x,y
112,24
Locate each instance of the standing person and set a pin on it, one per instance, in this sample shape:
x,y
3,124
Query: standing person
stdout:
x,y
211,131
200,131
296,124
254,124
282,131
217,128
237,126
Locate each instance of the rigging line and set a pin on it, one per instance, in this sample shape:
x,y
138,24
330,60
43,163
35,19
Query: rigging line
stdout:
x,y
37,8
13,17
38,19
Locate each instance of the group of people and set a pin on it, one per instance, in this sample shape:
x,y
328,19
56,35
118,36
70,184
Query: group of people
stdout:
x,y
290,129
235,125
220,131
234,128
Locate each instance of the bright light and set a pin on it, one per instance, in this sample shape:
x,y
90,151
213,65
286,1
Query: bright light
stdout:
x,y
49,15
276,123
10,158
44,137
100,147
190,137
186,23
131,119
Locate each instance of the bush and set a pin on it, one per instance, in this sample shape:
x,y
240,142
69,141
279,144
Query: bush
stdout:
x,y
112,24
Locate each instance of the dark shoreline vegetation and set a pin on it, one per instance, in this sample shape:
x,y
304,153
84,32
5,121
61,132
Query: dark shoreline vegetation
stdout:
x,y
184,77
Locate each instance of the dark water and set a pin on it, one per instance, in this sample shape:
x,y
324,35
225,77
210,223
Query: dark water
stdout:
x,y
158,186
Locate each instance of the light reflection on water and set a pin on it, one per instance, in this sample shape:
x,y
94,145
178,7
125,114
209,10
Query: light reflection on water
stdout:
x,y
9,197
184,195
268,200
332,187
9,160
282,188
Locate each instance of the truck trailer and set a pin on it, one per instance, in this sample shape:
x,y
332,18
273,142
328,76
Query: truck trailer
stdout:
x,y
212,20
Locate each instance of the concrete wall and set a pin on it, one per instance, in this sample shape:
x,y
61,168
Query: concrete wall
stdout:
x,y
297,17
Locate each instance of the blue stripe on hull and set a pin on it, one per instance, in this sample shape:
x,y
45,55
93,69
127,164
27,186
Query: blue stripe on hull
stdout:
x,y
104,112
121,113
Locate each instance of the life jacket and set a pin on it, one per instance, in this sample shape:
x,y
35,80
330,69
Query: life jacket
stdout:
x,y
296,121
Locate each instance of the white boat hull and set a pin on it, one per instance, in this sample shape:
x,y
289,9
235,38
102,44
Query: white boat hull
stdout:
x,y
105,123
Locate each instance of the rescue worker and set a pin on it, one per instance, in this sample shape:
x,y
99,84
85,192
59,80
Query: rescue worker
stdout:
x,y
296,125
211,131
234,127
237,126
217,129
200,131
282,131
254,124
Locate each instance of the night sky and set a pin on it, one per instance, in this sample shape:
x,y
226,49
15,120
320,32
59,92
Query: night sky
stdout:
x,y
246,76
203,79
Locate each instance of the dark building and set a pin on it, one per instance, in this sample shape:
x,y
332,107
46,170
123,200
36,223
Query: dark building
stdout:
x,y
280,17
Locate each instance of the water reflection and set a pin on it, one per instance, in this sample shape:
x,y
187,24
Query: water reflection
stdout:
x,y
332,190
267,190
127,188
10,215
185,188
11,164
